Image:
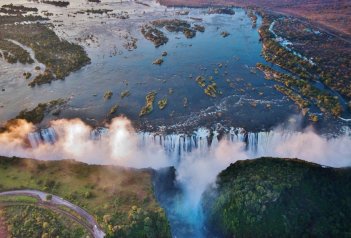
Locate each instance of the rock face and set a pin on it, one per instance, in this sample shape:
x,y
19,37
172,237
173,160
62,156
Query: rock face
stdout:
x,y
272,197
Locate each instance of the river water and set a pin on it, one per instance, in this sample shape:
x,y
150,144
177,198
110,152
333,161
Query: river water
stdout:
x,y
247,99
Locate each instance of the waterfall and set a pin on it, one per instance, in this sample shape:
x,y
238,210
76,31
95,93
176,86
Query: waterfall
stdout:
x,y
176,146
46,136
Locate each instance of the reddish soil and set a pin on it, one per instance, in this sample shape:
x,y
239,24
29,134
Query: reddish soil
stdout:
x,y
331,14
3,230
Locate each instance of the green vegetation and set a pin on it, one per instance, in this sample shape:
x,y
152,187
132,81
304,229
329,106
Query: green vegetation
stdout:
x,y
60,56
48,197
32,221
125,93
18,199
330,54
11,19
120,199
108,95
44,78
56,3
302,92
147,109
18,13
189,33
16,9
201,81
114,109
199,28
250,13
270,197
27,75
228,11
158,61
277,54
37,114
99,11
225,34
162,103
14,53
330,64
173,25
299,101
211,90
154,35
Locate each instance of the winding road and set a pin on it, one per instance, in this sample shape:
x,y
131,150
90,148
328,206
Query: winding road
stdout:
x,y
54,204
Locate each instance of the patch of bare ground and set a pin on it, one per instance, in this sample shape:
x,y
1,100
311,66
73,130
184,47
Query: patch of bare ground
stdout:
x,y
3,230
333,15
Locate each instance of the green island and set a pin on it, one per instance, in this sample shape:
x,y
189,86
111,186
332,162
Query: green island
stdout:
x,y
251,14
120,199
14,53
162,103
125,93
147,109
209,89
271,197
302,92
108,95
175,25
59,56
114,109
56,3
154,35
17,10
37,114
158,61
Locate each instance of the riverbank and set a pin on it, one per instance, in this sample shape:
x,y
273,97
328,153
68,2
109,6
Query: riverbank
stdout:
x,y
108,193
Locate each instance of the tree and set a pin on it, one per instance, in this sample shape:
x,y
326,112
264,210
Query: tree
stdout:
x,y
48,197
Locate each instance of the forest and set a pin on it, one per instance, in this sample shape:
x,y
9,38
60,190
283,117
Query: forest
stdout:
x,y
271,197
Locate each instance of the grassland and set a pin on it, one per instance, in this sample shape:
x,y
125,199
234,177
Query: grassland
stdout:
x,y
120,199
271,197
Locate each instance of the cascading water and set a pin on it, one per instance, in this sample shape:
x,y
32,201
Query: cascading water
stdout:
x,y
197,158
177,146
47,136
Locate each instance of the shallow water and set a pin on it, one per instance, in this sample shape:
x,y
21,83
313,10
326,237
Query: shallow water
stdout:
x,y
117,69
